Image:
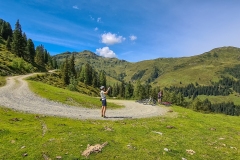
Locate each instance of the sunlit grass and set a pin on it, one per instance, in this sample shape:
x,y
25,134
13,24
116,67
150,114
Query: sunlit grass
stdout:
x,y
210,136
66,96
220,99
2,81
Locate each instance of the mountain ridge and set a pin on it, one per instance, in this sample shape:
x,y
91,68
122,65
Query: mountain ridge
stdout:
x,y
202,68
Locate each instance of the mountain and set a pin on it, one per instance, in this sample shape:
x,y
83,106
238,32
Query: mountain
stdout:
x,y
97,62
203,69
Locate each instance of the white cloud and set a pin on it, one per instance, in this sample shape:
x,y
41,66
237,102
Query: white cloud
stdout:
x,y
106,52
75,7
132,38
99,19
110,39
95,29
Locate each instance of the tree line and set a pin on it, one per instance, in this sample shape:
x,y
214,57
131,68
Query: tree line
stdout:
x,y
23,47
224,87
228,108
127,90
86,74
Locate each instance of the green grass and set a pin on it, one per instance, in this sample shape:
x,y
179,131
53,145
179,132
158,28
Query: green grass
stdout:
x,y
211,136
2,81
67,96
220,99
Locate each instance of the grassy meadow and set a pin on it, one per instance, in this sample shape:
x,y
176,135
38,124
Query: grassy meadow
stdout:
x,y
206,136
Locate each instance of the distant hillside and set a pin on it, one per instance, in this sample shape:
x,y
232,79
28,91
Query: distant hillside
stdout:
x,y
113,67
202,68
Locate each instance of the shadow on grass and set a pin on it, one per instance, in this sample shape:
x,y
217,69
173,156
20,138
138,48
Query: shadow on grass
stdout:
x,y
120,117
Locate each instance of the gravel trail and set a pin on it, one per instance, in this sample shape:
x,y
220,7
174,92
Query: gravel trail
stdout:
x,y
16,95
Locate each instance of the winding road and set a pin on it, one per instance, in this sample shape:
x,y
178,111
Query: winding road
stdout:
x,y
17,95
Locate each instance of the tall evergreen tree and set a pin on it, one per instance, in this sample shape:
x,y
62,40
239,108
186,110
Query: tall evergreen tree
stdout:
x,y
95,81
114,90
65,72
30,50
81,75
24,43
129,90
45,56
8,44
39,58
122,89
102,78
138,90
5,30
88,74
18,44
50,61
72,66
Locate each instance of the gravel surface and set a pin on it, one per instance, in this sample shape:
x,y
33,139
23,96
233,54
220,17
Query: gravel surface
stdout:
x,y
16,95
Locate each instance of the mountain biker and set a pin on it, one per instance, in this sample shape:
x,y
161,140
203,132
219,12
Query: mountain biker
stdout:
x,y
160,95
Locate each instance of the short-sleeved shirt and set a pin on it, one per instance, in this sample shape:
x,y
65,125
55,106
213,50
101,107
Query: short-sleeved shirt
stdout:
x,y
103,96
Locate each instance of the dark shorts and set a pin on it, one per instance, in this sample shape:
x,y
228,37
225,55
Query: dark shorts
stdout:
x,y
104,102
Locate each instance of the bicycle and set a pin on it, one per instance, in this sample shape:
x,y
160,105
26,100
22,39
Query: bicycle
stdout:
x,y
150,101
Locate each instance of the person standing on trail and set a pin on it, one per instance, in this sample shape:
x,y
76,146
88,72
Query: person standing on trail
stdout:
x,y
160,95
103,99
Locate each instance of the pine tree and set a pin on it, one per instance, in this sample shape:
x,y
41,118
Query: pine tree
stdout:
x,y
180,99
95,81
5,30
72,66
88,74
54,63
8,44
102,78
122,89
24,46
138,90
114,90
30,50
39,58
50,61
45,56
81,75
65,72
129,90
18,46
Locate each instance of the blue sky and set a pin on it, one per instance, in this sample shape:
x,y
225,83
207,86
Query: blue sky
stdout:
x,y
133,30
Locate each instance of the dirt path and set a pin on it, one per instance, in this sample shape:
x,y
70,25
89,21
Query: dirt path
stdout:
x,y
16,95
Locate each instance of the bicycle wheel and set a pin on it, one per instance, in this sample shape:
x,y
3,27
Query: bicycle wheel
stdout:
x,y
154,102
145,101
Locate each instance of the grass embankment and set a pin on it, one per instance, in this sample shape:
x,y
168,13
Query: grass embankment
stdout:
x,y
210,136
67,97
235,98
2,81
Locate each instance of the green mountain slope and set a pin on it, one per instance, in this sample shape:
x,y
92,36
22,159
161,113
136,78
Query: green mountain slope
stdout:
x,y
112,66
163,72
10,64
